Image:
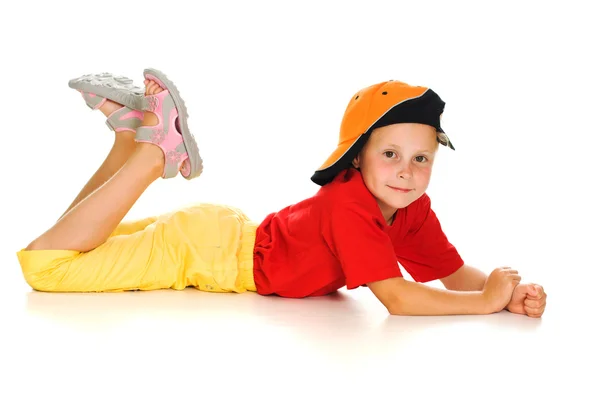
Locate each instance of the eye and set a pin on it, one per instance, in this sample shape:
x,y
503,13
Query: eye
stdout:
x,y
389,154
425,158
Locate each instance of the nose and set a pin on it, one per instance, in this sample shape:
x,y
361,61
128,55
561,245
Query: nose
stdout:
x,y
404,170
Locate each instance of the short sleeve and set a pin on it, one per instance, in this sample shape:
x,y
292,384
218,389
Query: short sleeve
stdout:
x,y
425,251
364,250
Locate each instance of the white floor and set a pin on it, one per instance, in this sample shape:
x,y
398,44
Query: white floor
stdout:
x,y
155,344
266,84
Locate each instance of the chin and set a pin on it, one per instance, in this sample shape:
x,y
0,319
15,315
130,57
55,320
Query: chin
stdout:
x,y
402,203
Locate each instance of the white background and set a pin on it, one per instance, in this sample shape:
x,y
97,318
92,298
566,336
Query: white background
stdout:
x,y
266,85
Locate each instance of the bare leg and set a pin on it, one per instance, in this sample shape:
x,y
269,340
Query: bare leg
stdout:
x,y
89,223
122,149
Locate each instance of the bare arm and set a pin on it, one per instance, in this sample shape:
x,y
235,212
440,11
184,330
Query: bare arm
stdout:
x,y
466,278
402,297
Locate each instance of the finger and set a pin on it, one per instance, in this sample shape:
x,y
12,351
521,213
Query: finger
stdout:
x,y
535,302
541,292
532,303
534,315
534,311
531,310
530,290
539,288
538,295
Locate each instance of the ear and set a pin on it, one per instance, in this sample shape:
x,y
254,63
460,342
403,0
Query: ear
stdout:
x,y
356,161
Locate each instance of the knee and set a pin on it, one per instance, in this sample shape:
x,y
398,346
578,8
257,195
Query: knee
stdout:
x,y
42,271
36,284
37,244
42,279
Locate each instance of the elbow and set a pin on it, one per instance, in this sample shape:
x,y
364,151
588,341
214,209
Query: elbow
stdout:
x,y
397,308
398,313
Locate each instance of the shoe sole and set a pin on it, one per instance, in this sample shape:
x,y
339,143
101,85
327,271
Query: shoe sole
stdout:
x,y
117,88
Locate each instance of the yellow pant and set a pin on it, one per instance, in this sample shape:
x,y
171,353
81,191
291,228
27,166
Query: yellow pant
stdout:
x,y
206,246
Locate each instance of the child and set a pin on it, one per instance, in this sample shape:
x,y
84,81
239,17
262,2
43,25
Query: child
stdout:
x,y
370,213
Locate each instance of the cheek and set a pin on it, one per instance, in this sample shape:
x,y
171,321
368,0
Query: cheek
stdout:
x,y
377,173
424,174
382,167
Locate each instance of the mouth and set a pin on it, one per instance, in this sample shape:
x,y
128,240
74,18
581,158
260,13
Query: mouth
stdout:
x,y
401,190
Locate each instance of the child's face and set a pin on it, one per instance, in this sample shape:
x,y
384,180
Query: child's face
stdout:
x,y
397,156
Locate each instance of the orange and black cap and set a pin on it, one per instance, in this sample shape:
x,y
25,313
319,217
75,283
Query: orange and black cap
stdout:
x,y
376,106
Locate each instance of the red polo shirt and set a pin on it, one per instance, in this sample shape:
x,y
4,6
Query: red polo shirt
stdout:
x,y
339,238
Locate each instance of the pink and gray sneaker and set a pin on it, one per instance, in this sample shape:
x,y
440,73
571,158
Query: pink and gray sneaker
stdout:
x,y
171,133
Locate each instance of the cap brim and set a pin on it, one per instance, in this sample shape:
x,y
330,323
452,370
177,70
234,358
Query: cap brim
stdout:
x,y
338,153
339,160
